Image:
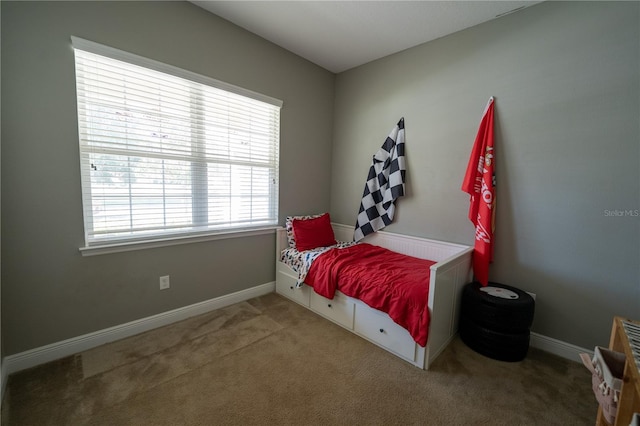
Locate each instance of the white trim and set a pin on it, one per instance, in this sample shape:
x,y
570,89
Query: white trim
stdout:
x,y
31,358
121,55
145,244
557,347
34,357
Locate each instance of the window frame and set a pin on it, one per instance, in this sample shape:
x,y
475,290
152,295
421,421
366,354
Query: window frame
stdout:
x,y
140,242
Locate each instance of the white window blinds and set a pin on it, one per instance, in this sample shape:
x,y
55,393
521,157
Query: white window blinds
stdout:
x,y
163,155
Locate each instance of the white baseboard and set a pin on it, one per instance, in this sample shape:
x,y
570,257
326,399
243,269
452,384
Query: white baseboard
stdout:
x,y
557,347
34,357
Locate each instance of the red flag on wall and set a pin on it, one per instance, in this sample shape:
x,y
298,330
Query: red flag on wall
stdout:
x,y
479,183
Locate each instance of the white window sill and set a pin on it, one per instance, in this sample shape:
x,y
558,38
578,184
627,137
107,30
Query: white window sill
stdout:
x,y
165,242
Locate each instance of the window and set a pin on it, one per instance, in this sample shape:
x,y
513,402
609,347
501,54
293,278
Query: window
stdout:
x,y
167,153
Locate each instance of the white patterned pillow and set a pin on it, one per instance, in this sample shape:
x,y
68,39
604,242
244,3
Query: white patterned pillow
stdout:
x,y
288,224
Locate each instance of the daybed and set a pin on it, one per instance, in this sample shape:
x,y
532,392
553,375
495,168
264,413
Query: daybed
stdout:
x,y
448,275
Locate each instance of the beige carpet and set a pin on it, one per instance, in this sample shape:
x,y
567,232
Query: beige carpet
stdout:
x,y
270,361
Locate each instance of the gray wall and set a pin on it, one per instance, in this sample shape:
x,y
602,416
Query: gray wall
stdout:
x,y
566,80
565,76
49,291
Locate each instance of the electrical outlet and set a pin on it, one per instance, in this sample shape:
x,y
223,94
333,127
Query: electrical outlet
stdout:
x,y
164,282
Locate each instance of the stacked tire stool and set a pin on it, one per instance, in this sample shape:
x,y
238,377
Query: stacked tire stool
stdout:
x,y
496,320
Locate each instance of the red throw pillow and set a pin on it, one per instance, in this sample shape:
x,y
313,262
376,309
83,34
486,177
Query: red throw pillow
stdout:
x,y
312,233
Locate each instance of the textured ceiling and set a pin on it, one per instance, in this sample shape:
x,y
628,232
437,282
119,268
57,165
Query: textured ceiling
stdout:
x,y
339,35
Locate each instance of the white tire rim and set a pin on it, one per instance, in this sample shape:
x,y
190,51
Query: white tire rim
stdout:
x,y
503,293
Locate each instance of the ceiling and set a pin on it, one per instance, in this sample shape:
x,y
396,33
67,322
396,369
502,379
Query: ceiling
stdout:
x,y
339,35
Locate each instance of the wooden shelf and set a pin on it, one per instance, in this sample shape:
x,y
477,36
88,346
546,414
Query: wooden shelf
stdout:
x,y
629,402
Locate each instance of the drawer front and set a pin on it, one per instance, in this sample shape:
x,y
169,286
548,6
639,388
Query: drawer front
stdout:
x,y
379,328
339,310
286,286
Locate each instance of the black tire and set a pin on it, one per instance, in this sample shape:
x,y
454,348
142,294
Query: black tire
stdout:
x,y
496,313
498,345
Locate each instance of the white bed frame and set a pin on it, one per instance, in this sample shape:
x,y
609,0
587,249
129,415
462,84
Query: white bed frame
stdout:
x,y
451,272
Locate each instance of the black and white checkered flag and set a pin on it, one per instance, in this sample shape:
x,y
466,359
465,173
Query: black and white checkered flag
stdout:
x,y
384,185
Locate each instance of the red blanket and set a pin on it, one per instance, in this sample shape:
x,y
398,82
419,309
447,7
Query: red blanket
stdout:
x,y
385,280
